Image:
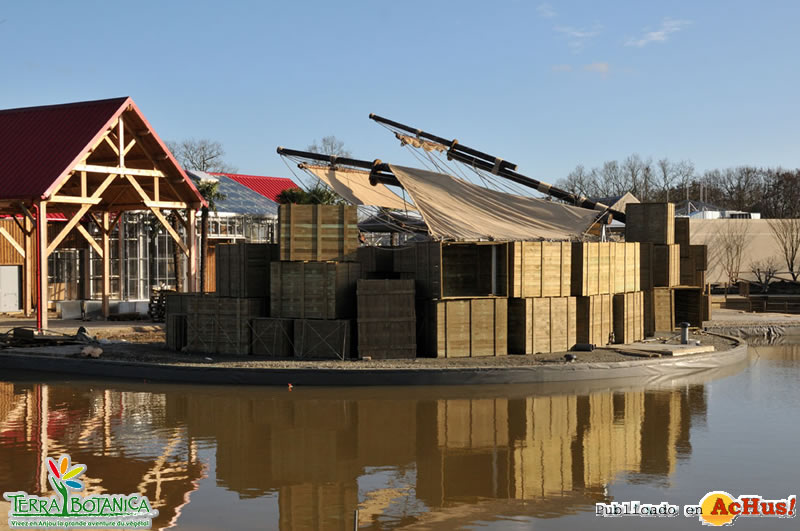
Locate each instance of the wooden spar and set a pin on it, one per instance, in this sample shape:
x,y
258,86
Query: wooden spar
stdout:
x,y
382,173
537,185
452,145
499,167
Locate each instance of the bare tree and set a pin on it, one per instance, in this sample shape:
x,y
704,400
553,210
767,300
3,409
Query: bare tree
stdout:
x,y
578,182
329,145
764,271
632,169
733,239
202,155
666,173
684,173
786,233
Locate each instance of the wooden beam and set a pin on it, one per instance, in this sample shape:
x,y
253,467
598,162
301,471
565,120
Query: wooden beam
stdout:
x,y
75,200
80,213
84,190
138,188
167,225
93,168
27,271
5,234
121,138
89,238
192,241
41,228
110,143
106,265
166,204
156,189
129,146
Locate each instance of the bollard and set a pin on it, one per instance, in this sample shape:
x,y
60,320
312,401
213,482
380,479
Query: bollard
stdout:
x,y
684,333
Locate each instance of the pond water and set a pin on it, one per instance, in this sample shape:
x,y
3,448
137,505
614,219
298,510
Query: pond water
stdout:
x,y
496,457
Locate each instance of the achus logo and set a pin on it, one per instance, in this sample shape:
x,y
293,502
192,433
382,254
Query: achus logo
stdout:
x,y
65,511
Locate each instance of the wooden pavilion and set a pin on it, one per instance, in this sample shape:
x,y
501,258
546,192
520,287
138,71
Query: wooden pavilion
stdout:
x,y
88,161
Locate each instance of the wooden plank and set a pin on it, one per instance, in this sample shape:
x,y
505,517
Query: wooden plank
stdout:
x,y
387,323
12,241
92,168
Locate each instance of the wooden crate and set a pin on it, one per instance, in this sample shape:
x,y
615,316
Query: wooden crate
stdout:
x,y
650,222
314,290
541,325
455,270
540,269
272,337
221,325
467,328
175,324
595,319
666,265
387,321
593,268
682,235
699,254
628,317
318,232
323,339
659,310
689,306
242,269
627,264
376,260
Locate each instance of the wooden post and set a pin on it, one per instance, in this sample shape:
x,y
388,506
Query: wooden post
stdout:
x,y
191,235
106,229
41,280
27,270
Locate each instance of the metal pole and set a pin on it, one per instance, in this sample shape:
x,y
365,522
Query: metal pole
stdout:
x,y
355,521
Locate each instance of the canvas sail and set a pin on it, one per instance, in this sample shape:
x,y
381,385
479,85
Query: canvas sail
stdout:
x,y
354,186
455,209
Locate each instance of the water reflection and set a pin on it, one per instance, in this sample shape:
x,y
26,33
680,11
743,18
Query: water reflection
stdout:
x,y
403,456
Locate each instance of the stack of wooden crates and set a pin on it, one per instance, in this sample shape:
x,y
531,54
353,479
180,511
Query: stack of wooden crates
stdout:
x,y
672,271
313,284
462,296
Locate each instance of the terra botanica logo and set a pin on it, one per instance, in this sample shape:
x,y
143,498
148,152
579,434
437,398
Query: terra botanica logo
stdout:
x,y
66,511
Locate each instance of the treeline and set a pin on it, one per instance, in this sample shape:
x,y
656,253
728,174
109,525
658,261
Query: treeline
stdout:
x,y
774,192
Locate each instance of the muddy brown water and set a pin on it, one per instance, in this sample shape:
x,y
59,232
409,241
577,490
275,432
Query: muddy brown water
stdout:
x,y
499,457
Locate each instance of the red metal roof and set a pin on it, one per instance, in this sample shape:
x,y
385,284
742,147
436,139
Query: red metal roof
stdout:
x,y
38,144
269,187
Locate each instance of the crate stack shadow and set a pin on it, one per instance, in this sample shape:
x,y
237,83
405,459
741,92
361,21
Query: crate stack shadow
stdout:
x,y
320,294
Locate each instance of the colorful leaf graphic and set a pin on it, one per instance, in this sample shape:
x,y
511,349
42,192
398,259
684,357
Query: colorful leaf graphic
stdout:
x,y
64,465
75,471
77,485
53,467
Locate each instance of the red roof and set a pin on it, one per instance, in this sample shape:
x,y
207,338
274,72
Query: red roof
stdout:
x,y
269,187
38,144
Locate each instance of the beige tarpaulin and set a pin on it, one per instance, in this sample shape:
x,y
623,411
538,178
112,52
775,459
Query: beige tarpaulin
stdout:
x,y
353,185
459,210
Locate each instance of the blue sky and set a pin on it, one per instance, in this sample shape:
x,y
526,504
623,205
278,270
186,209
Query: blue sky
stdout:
x,y
546,85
